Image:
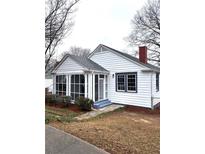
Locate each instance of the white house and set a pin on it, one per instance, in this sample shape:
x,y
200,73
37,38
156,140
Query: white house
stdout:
x,y
109,74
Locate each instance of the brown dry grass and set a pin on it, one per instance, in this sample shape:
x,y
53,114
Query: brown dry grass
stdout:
x,y
119,132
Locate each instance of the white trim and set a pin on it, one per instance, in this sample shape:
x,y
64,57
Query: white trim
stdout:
x,y
67,85
86,89
93,85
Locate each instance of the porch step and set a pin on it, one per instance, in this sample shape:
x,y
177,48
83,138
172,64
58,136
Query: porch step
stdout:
x,y
101,103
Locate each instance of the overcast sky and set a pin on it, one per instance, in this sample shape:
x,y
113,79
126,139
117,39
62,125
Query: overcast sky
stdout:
x,y
102,22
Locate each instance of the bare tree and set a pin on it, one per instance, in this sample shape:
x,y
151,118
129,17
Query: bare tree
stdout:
x,y
146,29
58,22
78,51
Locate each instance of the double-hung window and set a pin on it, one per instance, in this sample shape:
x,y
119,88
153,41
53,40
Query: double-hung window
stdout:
x,y
131,82
61,85
120,82
126,82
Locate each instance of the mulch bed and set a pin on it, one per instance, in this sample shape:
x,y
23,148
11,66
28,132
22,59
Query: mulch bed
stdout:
x,y
72,107
141,109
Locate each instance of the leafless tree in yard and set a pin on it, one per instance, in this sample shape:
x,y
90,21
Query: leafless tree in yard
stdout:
x,y
78,51
146,29
58,23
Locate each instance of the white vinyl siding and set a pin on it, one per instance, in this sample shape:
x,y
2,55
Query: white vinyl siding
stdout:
x,y
117,64
69,66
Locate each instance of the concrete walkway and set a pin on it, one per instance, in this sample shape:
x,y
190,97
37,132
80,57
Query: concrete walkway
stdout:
x,y
59,142
97,112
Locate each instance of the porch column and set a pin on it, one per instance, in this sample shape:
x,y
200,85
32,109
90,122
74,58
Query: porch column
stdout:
x,y
93,85
86,86
67,84
90,95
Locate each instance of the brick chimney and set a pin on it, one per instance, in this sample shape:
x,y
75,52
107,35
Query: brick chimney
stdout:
x,y
143,54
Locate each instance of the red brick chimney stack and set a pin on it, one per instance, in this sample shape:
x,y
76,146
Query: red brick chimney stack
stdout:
x,y
143,54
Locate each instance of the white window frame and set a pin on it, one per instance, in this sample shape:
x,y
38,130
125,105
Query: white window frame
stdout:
x,y
117,82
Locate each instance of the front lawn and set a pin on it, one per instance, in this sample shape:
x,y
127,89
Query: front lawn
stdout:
x,y
119,132
54,114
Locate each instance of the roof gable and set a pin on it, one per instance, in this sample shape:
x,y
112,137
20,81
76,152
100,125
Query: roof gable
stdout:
x,y
101,48
84,62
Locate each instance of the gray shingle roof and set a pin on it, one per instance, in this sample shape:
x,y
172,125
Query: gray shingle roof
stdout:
x,y
131,58
83,61
88,63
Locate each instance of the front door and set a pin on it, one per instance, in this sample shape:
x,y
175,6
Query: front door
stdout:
x,y
101,88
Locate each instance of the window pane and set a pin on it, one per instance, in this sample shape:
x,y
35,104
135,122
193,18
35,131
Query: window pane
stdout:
x,y
82,79
82,88
72,87
76,95
72,96
64,87
60,79
121,82
57,88
101,76
64,93
72,78
57,79
77,88
96,87
76,78
96,79
131,82
64,79
60,87
82,95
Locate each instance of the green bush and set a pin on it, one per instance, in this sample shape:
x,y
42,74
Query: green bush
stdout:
x,y
84,103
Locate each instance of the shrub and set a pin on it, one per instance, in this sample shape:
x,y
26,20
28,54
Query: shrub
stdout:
x,y
58,100
84,103
63,101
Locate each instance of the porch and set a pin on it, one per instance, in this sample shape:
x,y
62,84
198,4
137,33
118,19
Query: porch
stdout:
x,y
92,85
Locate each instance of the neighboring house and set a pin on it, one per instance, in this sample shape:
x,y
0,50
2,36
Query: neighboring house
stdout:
x,y
109,74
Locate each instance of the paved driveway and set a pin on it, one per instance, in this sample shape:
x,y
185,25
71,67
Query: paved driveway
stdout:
x,y
59,142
